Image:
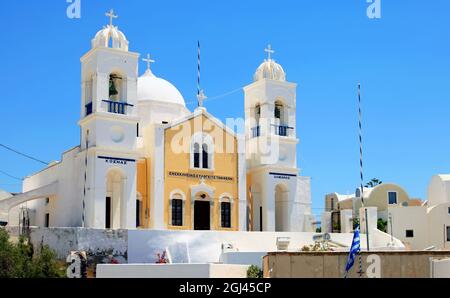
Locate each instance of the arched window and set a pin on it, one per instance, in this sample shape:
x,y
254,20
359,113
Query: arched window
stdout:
x,y
177,212
177,202
196,155
277,111
257,112
281,119
202,148
205,157
88,95
226,214
115,87
226,207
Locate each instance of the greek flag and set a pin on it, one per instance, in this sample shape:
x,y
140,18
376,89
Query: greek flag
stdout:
x,y
354,250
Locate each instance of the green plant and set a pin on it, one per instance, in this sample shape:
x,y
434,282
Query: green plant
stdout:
x,y
306,248
319,230
254,272
336,227
374,182
20,261
382,225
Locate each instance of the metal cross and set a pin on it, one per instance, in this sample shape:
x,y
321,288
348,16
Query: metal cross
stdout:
x,y
269,51
201,97
149,61
111,16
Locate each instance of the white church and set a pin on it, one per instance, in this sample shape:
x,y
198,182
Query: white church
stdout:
x,y
145,161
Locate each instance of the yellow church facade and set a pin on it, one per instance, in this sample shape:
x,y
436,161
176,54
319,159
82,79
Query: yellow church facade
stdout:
x,y
200,177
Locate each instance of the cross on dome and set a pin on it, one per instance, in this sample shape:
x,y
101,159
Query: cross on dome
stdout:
x,y
149,61
111,16
269,51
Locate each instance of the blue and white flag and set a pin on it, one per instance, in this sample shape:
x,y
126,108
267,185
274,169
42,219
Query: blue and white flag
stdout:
x,y
354,250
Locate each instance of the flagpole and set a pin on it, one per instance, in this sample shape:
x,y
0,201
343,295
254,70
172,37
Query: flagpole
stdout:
x,y
361,165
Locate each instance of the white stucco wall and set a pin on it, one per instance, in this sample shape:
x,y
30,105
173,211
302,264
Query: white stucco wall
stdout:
x,y
409,218
439,190
172,271
440,268
346,221
243,257
326,222
206,246
438,221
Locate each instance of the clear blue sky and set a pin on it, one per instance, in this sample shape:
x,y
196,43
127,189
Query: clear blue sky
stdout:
x,y
402,61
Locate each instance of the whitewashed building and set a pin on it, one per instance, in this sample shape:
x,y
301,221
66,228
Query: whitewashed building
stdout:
x,y
419,225
125,173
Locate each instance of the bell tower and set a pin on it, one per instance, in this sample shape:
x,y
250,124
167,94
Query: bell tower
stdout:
x,y
109,122
278,194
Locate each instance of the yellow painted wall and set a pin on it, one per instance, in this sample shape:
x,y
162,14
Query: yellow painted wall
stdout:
x,y
225,164
345,204
378,197
143,187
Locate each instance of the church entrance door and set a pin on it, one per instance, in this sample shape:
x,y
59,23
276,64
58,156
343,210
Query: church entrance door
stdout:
x,y
202,215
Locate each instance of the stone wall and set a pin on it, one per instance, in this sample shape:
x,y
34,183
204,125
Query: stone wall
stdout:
x,y
393,264
98,244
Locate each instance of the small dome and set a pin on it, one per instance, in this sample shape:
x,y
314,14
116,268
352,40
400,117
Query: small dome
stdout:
x,y
271,70
152,88
110,32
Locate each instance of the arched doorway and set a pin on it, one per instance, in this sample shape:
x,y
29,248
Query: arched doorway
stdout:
x,y
114,199
257,209
202,212
281,208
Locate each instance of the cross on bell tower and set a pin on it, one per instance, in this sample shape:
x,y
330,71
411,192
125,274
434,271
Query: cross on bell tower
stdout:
x,y
111,16
269,52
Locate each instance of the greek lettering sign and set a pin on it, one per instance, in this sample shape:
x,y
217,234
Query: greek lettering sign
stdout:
x,y
200,176
118,161
282,176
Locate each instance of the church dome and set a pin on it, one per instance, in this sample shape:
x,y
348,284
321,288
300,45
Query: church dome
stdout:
x,y
113,34
152,88
271,70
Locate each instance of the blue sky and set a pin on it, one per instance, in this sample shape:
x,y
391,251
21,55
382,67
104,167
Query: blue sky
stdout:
x,y
402,61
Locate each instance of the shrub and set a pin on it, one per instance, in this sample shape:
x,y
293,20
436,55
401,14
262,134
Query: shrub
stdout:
x,y
382,225
20,261
254,272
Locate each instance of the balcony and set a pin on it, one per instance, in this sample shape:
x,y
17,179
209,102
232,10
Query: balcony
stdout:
x,y
256,132
282,130
117,107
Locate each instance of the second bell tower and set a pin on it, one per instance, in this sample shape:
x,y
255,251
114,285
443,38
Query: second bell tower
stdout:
x,y
109,123
279,196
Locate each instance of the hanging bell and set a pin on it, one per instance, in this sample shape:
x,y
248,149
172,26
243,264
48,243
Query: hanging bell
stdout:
x,y
112,88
